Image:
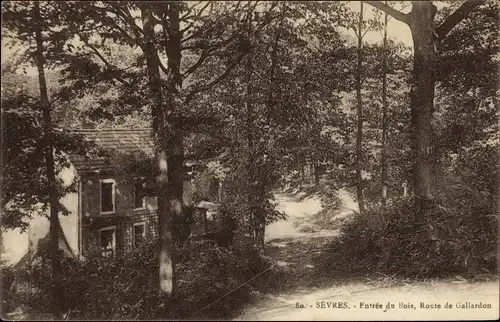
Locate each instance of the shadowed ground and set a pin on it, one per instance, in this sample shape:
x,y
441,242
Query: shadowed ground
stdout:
x,y
309,288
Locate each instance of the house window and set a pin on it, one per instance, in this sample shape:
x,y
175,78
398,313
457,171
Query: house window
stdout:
x,y
107,241
108,196
139,233
139,193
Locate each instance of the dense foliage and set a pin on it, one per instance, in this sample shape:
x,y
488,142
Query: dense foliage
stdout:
x,y
459,234
262,95
24,191
453,239
123,288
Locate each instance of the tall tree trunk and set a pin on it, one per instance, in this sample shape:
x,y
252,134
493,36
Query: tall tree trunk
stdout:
x,y
422,98
168,144
252,188
359,134
270,105
254,193
175,146
384,115
58,307
425,40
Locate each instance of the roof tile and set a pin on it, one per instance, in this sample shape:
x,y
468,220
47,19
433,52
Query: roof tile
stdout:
x,y
110,143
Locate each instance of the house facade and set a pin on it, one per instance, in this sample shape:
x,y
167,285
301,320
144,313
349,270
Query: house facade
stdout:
x,y
114,208
115,216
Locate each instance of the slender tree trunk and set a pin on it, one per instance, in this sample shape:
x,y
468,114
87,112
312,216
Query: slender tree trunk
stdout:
x,y
254,193
252,189
316,176
384,115
302,170
270,105
359,135
58,290
422,98
272,72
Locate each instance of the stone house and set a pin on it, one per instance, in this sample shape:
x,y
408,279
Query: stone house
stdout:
x,y
114,208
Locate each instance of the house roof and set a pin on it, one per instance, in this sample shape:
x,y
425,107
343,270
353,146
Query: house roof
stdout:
x,y
107,144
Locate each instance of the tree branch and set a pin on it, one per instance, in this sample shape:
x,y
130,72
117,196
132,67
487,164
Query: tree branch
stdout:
x,y
207,52
457,16
107,63
126,17
355,29
187,16
194,16
194,19
368,28
403,17
204,55
160,64
215,81
188,38
109,20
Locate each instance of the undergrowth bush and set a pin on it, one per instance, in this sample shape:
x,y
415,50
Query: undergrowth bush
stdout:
x,y
7,279
245,204
325,218
211,283
330,199
456,236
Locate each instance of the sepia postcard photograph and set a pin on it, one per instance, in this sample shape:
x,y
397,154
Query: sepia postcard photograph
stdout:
x,y
250,160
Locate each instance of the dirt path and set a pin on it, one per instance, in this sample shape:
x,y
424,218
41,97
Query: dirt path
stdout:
x,y
295,208
308,294
407,301
298,206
